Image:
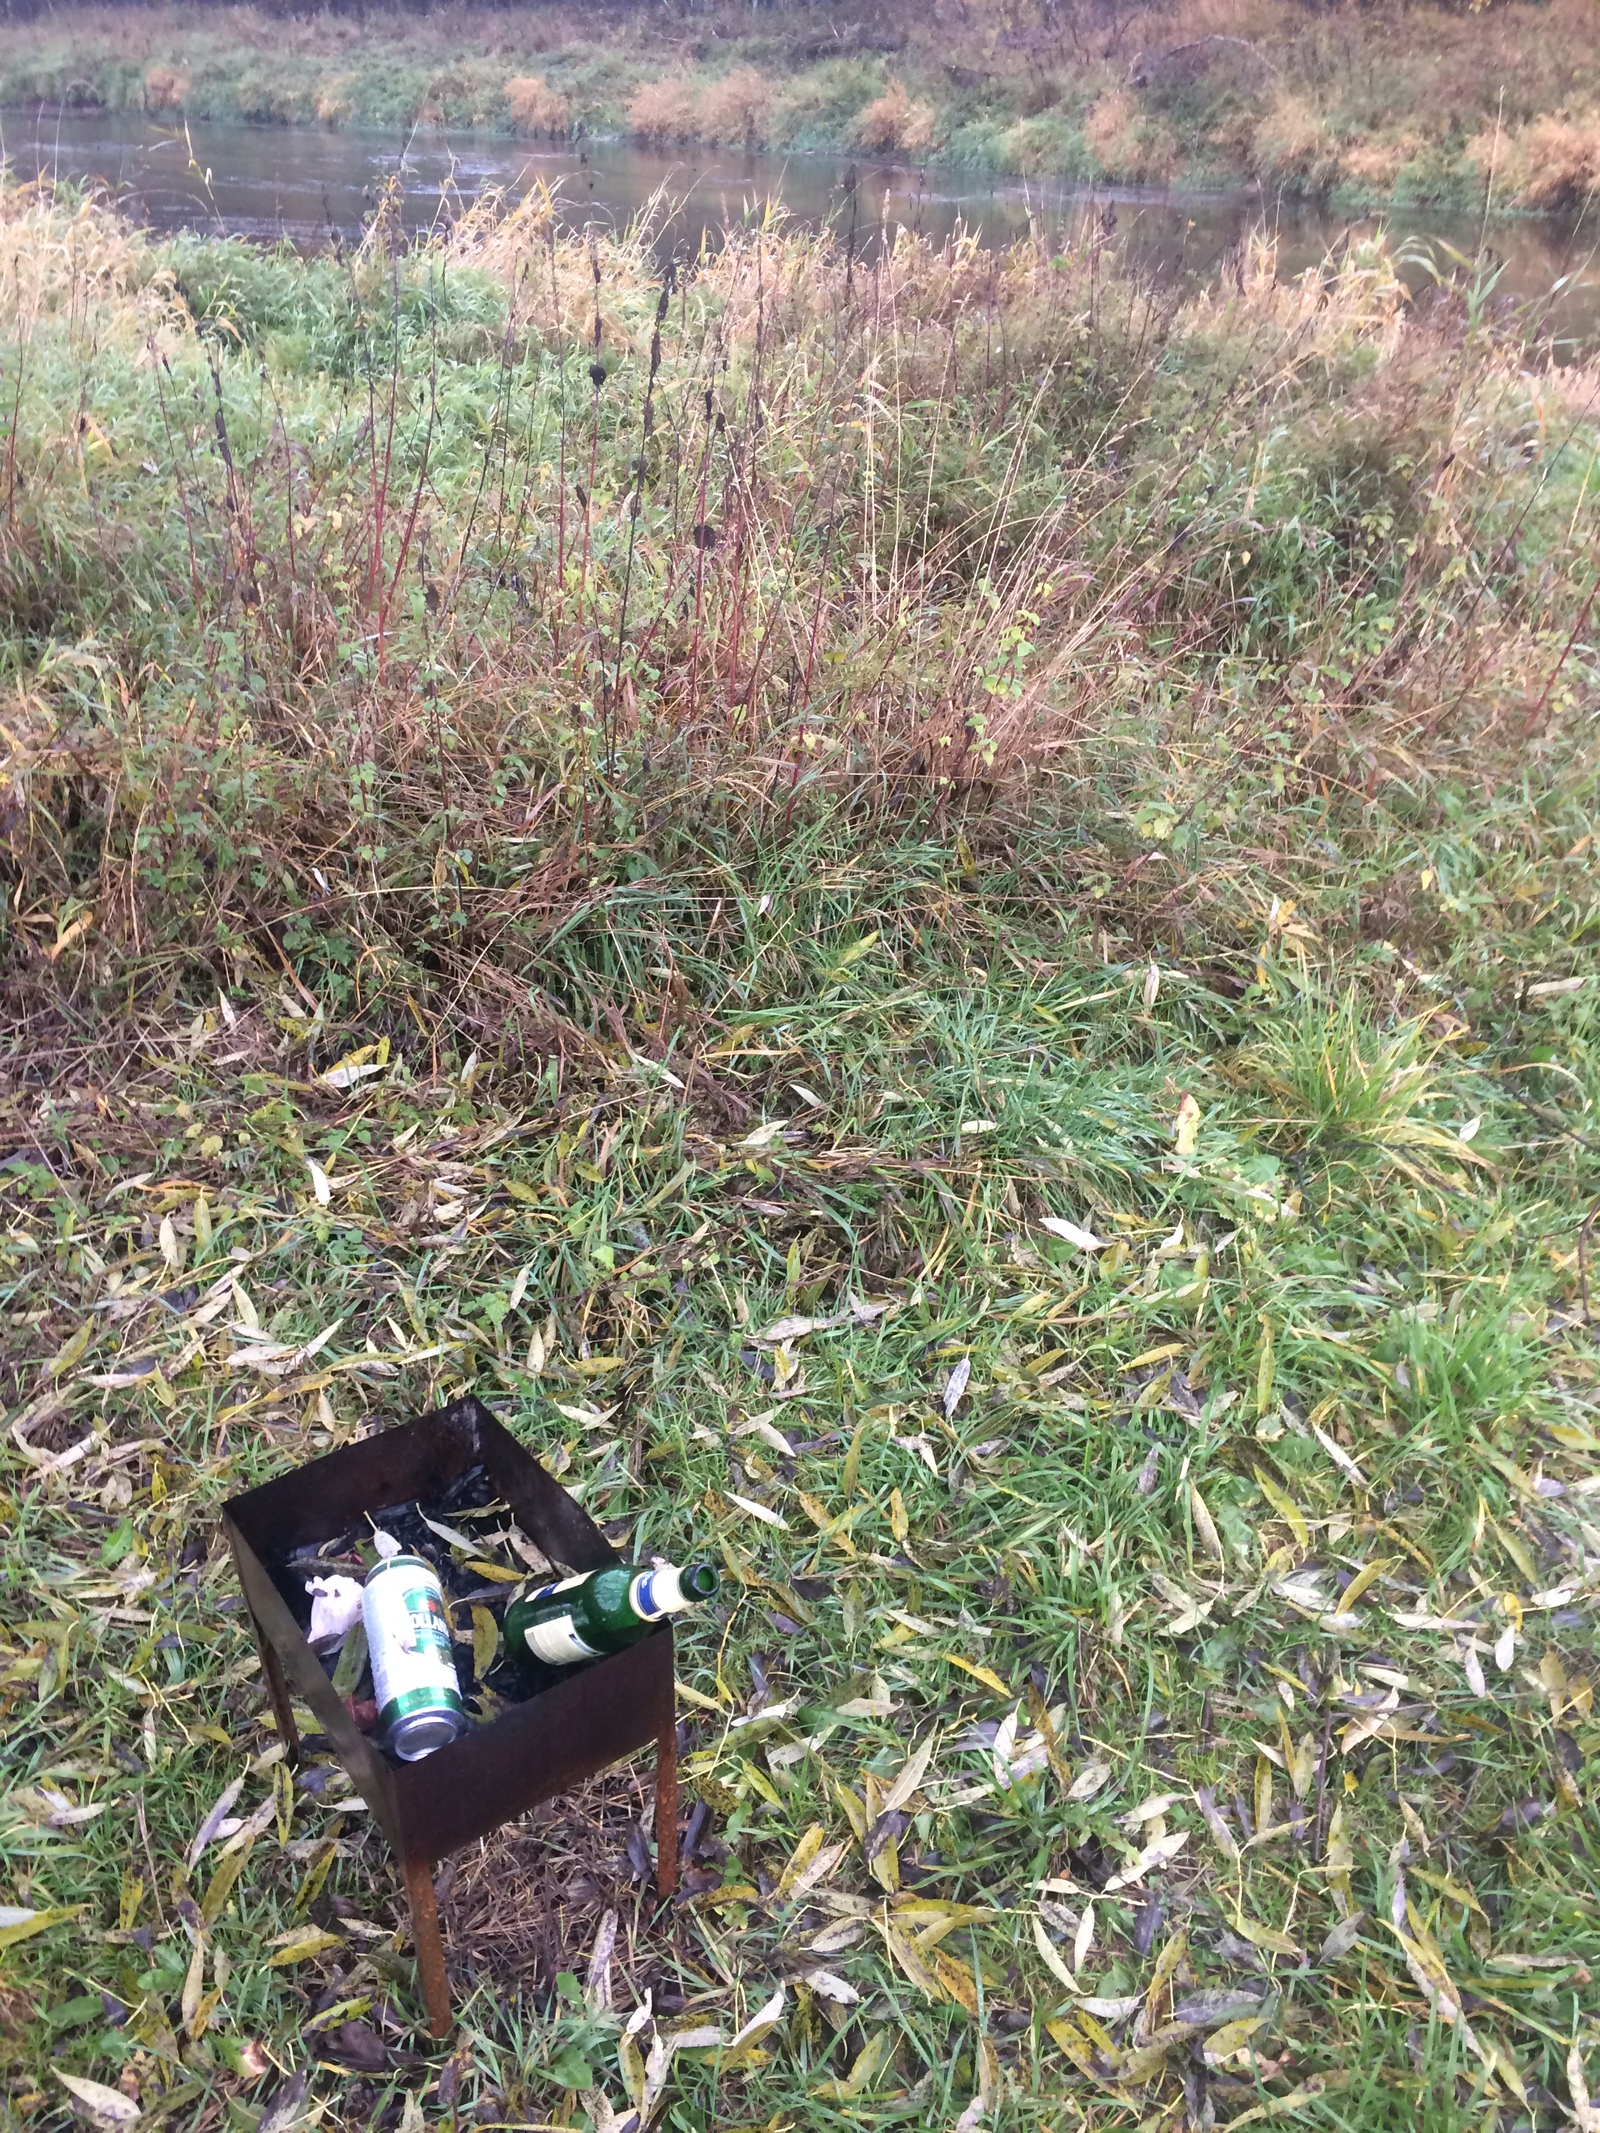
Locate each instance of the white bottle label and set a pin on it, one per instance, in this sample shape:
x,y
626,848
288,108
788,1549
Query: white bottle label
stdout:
x,y
557,1643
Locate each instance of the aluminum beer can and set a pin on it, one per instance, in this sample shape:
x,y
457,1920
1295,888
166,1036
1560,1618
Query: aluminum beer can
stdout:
x,y
412,1653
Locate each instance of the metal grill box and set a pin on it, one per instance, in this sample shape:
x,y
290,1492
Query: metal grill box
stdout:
x,y
599,1714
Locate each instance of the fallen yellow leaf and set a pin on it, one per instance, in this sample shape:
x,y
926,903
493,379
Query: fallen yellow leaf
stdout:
x,y
978,1673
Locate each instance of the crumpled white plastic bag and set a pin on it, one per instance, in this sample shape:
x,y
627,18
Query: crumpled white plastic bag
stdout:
x,y
335,1609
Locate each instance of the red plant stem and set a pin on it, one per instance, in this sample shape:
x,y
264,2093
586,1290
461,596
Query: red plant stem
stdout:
x,y
588,514
11,443
700,567
561,487
183,494
405,541
1566,653
738,608
794,787
816,615
380,486
372,482
561,528
777,608
288,494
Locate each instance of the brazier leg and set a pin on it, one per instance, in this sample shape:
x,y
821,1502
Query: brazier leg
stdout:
x,y
667,1812
430,1949
278,1692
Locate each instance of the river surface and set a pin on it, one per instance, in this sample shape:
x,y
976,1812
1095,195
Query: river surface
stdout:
x,y
313,186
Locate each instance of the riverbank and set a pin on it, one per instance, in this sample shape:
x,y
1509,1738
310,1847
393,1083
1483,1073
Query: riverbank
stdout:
x,y
1415,104
937,920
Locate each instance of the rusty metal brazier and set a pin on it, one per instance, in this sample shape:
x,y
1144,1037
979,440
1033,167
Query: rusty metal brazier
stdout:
x,y
533,1750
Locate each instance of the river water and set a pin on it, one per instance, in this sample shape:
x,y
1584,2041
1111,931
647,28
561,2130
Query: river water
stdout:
x,y
311,186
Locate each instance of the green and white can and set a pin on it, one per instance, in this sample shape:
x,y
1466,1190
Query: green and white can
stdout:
x,y
412,1653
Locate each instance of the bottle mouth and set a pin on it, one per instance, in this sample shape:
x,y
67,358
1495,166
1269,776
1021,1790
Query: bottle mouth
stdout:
x,y
699,1581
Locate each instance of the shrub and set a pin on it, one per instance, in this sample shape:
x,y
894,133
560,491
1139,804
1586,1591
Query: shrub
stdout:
x,y
1375,166
738,108
469,92
1129,142
268,100
895,124
333,106
535,107
1293,146
165,88
823,103
1551,163
1050,145
980,144
663,110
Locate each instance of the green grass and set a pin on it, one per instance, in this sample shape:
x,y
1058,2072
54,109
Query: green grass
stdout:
x,y
1057,1542
1237,937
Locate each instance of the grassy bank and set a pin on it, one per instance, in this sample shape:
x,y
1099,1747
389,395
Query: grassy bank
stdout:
x,y
955,902
1413,103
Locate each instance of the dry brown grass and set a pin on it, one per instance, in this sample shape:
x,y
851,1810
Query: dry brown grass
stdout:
x,y
83,264
1549,165
526,1903
1292,141
1377,164
1168,23
333,104
1129,142
1320,316
165,88
664,110
535,107
895,124
736,111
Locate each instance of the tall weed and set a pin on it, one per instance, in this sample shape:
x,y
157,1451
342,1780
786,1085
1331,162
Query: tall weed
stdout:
x,y
504,568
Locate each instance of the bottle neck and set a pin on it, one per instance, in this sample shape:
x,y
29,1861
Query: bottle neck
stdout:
x,y
656,1593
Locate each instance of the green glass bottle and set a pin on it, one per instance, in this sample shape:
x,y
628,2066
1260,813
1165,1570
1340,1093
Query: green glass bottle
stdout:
x,y
604,1611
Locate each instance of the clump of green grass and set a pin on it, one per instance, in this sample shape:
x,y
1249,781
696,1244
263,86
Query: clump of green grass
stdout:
x,y
1351,1086
559,824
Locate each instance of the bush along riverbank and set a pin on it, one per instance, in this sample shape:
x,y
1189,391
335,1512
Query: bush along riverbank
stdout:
x,y
1496,106
938,920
